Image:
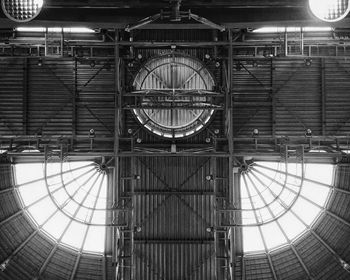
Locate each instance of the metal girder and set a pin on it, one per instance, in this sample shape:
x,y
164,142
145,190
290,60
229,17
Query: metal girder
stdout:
x,y
80,4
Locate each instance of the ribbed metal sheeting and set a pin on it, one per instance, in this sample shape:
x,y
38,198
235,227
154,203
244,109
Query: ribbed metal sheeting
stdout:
x,y
337,95
297,93
56,97
252,102
29,250
319,249
11,95
284,96
174,243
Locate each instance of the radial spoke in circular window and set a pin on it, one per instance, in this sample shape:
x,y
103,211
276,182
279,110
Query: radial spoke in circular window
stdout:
x,y
279,199
73,197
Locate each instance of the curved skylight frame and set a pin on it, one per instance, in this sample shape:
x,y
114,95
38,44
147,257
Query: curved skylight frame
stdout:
x,y
281,229
45,185
154,77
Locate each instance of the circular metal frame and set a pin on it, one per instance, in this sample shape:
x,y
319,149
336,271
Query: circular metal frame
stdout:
x,y
160,75
11,16
316,3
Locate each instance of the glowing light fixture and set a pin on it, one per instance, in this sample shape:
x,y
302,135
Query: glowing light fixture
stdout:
x,y
330,10
279,29
22,11
56,29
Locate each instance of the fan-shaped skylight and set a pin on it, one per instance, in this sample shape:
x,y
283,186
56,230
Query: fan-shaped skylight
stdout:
x,y
279,201
66,200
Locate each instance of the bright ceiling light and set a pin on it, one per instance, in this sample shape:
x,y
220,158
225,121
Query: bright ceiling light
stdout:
x,y
55,29
277,29
330,10
22,11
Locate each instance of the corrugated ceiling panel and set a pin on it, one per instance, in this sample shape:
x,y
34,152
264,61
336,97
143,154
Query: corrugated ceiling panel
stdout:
x,y
173,225
309,249
337,73
340,205
96,90
51,86
335,234
5,176
342,177
12,234
286,265
11,96
156,212
297,90
61,265
32,256
327,266
239,268
252,102
8,205
257,268
174,261
89,268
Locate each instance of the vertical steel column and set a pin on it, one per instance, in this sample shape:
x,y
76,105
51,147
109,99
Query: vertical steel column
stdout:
x,y
323,96
301,41
285,42
46,41
74,98
132,224
214,205
62,42
117,113
25,96
273,100
231,185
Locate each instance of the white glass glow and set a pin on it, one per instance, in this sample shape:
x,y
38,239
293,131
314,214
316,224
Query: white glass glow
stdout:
x,y
278,201
329,10
68,204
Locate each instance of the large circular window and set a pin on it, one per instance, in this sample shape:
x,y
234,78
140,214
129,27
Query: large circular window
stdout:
x,y
176,92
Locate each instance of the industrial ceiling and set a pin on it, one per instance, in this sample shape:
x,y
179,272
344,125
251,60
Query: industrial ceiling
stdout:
x,y
197,129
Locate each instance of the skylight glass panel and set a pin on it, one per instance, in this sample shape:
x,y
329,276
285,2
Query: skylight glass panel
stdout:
x,y
282,194
95,239
40,215
252,239
74,235
306,210
25,173
32,192
319,173
56,225
291,225
66,199
273,235
316,192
